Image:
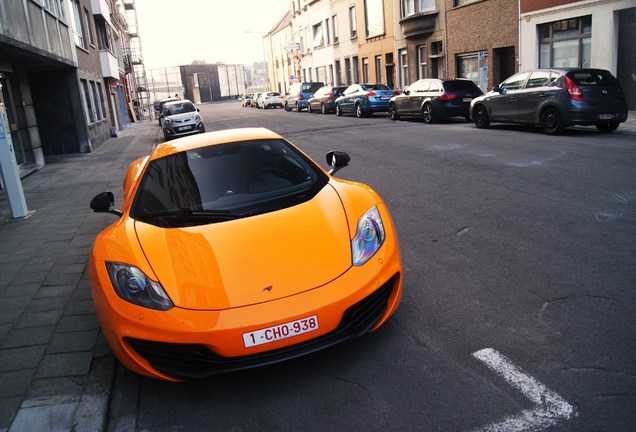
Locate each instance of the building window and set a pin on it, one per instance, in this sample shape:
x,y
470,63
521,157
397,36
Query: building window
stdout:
x,y
421,61
334,28
101,99
327,32
378,69
353,25
104,35
474,66
566,43
365,69
89,27
412,7
78,31
321,74
348,71
404,68
318,36
338,77
374,17
98,114
354,66
88,106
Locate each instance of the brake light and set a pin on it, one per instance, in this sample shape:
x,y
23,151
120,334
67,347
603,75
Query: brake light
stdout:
x,y
573,90
330,95
370,94
397,92
447,97
621,94
300,97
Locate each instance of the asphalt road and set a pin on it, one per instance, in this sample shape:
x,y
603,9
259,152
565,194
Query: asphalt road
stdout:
x,y
519,307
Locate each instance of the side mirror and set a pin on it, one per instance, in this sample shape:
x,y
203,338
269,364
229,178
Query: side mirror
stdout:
x,y
496,89
104,203
337,160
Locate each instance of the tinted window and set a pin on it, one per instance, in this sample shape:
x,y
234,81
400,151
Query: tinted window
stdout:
x,y
238,179
539,79
592,78
460,86
375,87
515,82
178,108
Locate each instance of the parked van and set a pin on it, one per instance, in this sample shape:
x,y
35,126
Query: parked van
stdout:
x,y
299,94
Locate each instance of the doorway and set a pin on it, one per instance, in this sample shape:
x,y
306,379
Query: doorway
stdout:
x,y
7,98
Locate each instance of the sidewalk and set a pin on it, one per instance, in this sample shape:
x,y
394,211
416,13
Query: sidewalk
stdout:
x,y
56,369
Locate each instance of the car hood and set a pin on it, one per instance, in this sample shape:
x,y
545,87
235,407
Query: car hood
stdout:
x,y
251,260
181,117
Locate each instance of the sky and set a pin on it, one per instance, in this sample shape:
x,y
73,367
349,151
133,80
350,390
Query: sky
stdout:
x,y
177,32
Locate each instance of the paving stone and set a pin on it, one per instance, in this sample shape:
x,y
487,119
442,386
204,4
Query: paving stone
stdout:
x,y
8,409
73,341
21,358
57,279
54,291
57,413
21,289
73,385
25,337
80,307
20,302
39,319
72,323
10,316
15,383
47,304
67,364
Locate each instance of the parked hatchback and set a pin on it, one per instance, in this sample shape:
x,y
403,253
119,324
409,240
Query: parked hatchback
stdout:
x,y
324,99
299,94
181,118
435,99
270,100
364,99
554,99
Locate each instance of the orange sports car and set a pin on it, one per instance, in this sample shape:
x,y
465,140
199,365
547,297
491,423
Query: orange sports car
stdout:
x,y
232,250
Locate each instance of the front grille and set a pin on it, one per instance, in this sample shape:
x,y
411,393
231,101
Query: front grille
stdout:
x,y
194,361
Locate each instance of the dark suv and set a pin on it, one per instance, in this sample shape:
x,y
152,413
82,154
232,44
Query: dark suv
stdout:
x,y
554,99
299,94
434,99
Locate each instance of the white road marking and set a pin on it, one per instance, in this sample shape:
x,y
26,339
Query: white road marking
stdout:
x,y
549,409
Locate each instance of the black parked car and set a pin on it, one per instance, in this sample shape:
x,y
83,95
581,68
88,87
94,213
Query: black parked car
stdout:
x,y
554,99
324,99
434,99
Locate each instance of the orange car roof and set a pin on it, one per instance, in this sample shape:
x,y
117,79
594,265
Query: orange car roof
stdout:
x,y
211,138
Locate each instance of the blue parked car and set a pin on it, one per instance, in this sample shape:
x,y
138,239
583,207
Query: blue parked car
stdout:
x,y
364,99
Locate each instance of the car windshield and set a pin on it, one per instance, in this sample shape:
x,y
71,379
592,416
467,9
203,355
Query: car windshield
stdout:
x,y
179,108
311,87
226,181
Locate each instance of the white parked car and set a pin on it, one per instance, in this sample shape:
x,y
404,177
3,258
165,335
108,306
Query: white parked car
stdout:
x,y
270,100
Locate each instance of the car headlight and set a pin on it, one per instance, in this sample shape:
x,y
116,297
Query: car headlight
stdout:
x,y
132,285
369,237
167,121
196,117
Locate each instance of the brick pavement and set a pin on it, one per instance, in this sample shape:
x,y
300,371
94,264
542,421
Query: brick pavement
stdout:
x,y
55,368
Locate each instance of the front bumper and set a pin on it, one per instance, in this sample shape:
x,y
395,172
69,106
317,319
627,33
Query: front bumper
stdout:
x,y
184,344
182,129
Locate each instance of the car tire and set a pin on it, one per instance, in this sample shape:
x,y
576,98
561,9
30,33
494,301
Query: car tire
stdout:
x,y
551,121
427,113
393,115
607,127
298,107
323,108
480,117
309,108
287,108
359,111
338,111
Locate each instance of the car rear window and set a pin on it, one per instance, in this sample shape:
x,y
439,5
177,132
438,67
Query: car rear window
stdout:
x,y
453,86
311,87
593,78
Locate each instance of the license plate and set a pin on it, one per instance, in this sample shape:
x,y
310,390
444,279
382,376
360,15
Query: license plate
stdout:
x,y
385,97
281,331
467,99
184,128
606,116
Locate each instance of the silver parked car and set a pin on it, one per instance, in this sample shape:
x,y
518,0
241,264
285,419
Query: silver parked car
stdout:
x,y
554,99
181,118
